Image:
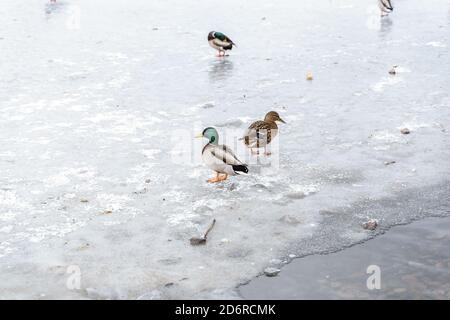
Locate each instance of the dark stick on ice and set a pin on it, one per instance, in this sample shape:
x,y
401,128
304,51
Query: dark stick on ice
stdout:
x,y
197,241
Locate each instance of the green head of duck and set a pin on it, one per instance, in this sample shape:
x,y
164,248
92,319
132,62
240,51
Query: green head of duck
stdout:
x,y
211,134
220,36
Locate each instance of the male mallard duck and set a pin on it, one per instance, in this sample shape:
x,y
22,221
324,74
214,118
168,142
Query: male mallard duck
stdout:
x,y
385,7
261,133
220,158
220,42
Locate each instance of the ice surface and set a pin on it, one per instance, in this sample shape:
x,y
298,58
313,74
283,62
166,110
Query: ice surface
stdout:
x,y
101,99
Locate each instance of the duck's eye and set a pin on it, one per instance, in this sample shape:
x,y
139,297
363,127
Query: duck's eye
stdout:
x,y
213,139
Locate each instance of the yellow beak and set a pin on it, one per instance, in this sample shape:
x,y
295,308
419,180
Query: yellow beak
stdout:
x,y
199,135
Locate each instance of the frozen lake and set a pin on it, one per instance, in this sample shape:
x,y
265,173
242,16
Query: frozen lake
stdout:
x,y
100,101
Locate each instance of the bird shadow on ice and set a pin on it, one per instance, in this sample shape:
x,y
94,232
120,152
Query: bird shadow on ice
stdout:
x,y
220,69
52,8
385,26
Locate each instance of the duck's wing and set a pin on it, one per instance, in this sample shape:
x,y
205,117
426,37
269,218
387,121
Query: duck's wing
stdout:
x,y
225,154
229,151
259,130
386,4
222,40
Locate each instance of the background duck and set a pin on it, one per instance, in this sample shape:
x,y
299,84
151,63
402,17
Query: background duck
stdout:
x,y
220,158
385,7
220,42
261,133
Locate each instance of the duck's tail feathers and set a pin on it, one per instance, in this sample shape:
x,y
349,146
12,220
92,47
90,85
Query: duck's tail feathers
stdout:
x,y
240,168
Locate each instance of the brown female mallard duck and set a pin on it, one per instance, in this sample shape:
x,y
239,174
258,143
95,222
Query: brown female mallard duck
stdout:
x,y
261,133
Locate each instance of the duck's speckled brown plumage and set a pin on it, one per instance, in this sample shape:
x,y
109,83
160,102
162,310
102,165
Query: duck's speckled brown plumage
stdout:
x,y
261,133
261,128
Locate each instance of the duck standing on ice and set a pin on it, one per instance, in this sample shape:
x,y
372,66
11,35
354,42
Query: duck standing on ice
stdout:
x,y
219,157
261,133
220,42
